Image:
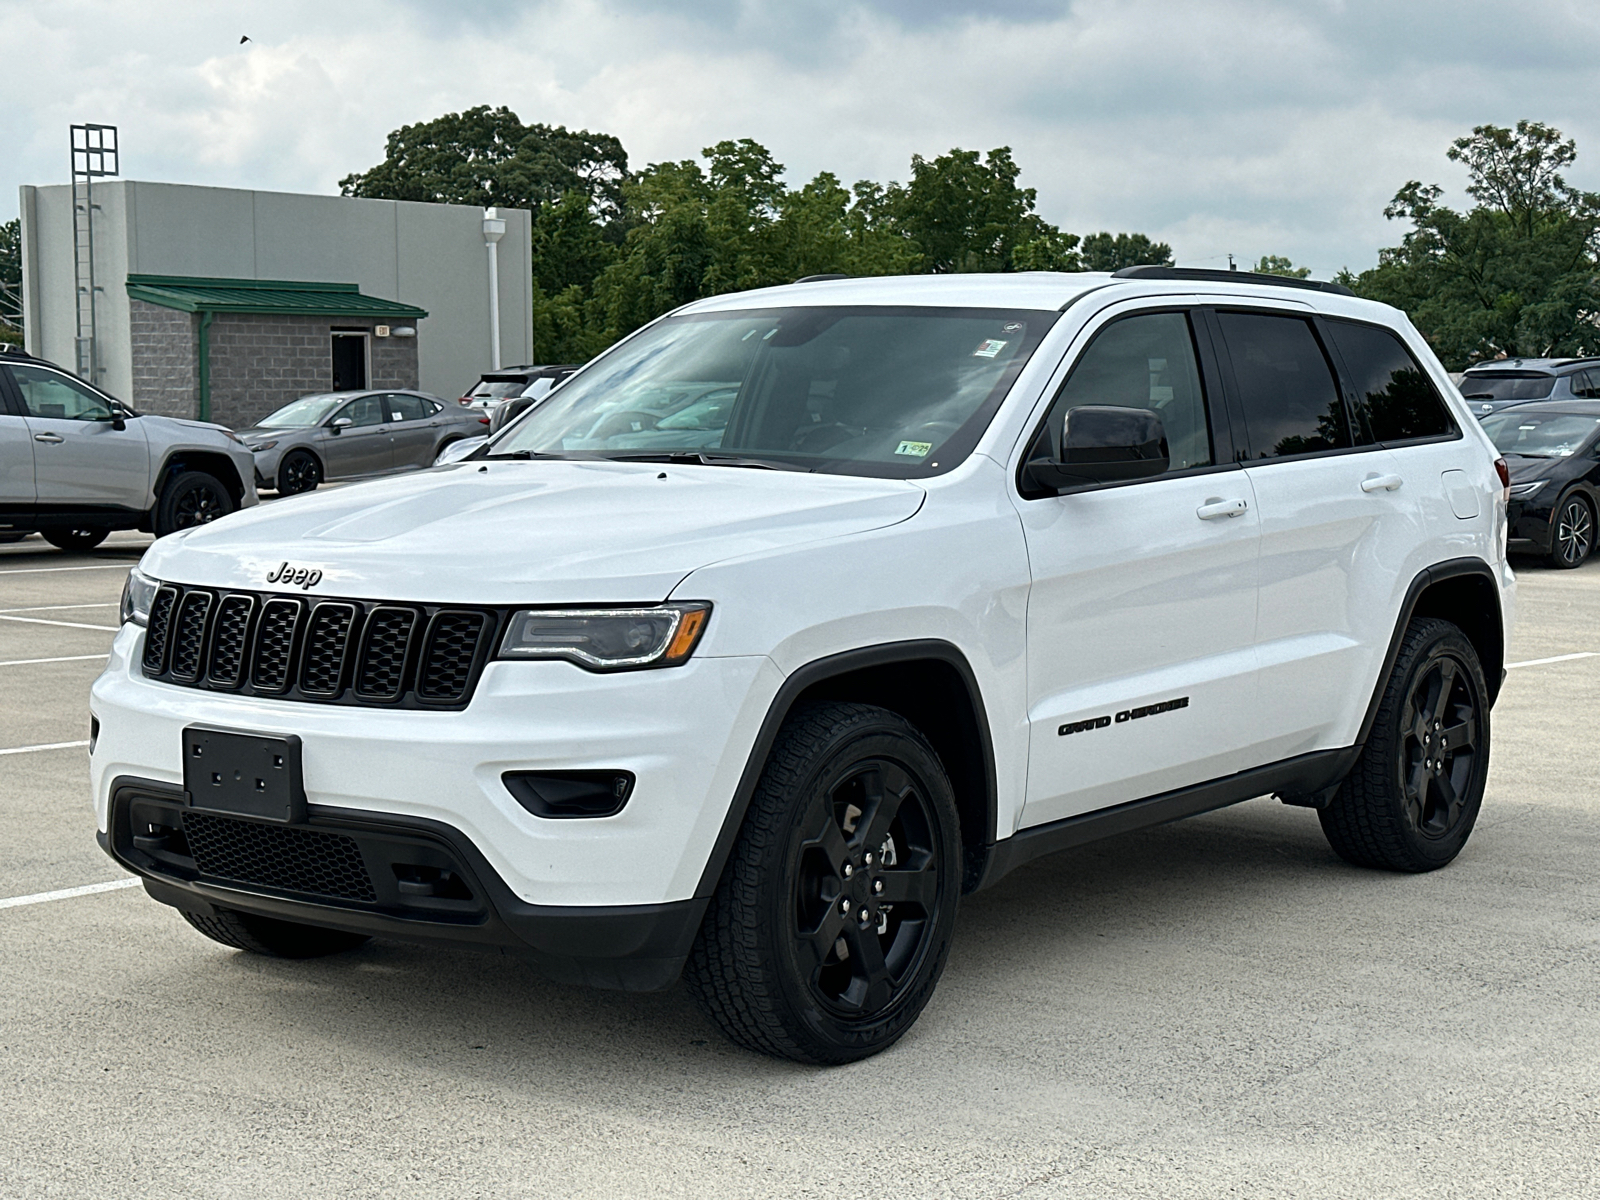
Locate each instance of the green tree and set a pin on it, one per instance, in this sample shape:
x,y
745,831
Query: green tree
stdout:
x,y
1276,264
11,282
965,212
1112,252
1516,274
487,156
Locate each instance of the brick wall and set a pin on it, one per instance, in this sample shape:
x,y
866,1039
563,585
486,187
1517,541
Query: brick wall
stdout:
x,y
164,367
260,363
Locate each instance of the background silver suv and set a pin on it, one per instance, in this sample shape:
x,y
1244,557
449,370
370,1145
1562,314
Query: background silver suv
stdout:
x,y
76,464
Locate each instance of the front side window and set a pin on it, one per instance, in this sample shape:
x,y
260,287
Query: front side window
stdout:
x,y
1143,361
888,391
49,394
1395,400
368,410
1286,388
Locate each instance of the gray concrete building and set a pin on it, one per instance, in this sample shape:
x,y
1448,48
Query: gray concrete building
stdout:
x,y
225,304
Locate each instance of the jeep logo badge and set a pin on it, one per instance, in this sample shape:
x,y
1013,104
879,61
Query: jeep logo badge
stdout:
x,y
305,578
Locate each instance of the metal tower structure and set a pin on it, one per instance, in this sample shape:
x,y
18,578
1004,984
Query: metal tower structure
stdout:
x,y
94,156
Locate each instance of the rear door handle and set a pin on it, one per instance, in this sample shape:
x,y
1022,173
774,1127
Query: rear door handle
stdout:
x,y
48,437
1381,483
1216,508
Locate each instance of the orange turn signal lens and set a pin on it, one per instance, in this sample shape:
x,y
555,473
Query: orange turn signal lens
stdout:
x,y
688,633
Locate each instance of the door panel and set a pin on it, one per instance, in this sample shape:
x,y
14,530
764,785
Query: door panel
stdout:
x,y
1141,614
414,430
78,458
1338,525
362,448
16,466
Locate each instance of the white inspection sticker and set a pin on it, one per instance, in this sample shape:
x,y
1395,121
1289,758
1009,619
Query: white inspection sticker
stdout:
x,y
989,348
915,449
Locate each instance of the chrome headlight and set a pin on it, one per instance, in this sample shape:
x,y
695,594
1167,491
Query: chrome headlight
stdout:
x,y
608,639
137,594
1521,491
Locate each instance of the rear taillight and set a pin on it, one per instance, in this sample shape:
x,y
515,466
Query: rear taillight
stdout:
x,y
1504,472
485,421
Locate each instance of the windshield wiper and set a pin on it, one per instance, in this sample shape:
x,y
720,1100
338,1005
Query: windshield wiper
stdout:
x,y
708,460
520,454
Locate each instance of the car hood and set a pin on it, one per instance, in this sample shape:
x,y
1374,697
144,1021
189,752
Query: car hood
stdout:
x,y
529,532
1533,468
257,434
181,427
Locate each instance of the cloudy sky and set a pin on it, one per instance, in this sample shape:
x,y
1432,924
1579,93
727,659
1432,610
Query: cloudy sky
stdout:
x,y
1244,126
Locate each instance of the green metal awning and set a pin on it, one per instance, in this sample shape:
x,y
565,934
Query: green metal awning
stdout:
x,y
275,296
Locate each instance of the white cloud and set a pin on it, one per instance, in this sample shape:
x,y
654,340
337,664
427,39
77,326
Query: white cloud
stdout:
x,y
1218,125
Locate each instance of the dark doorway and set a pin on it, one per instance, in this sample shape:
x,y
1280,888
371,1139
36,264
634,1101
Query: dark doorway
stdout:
x,y
349,362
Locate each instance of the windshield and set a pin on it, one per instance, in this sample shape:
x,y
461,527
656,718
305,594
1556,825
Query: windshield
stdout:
x,y
1507,386
857,390
1539,435
304,412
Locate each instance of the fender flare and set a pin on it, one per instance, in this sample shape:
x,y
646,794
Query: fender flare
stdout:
x,y
819,671
1453,568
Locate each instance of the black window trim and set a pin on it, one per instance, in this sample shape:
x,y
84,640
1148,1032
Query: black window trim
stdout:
x,y
1346,380
1236,403
10,401
1219,419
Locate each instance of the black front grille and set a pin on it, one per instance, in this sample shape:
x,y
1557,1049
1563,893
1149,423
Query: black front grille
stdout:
x,y
278,856
228,640
328,651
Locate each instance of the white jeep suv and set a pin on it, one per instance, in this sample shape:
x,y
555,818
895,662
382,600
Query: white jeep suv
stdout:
x,y
801,613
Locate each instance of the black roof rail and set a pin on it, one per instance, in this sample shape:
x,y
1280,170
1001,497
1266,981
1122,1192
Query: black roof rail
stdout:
x,y
1215,276
820,278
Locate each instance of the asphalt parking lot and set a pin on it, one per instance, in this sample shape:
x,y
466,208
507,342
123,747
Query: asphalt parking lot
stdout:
x,y
1216,1008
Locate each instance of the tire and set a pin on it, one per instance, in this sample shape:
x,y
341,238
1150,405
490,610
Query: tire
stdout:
x,y
74,539
1571,533
1406,807
189,499
269,936
300,471
796,958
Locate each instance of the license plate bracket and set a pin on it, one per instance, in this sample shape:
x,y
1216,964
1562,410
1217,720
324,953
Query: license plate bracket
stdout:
x,y
240,774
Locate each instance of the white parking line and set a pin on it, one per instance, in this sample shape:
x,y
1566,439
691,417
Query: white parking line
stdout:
x,y
46,746
46,570
28,662
54,607
87,889
1540,662
63,624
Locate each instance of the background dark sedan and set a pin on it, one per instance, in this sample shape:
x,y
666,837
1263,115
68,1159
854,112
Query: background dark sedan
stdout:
x,y
353,435
1553,450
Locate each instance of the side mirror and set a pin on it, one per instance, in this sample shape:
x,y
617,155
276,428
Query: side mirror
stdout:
x,y
115,418
340,424
1105,444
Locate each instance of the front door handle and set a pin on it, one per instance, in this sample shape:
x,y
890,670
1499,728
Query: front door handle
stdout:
x,y
1381,483
1215,508
48,437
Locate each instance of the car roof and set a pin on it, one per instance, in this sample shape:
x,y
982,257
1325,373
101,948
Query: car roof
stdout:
x,y
1038,290
1537,366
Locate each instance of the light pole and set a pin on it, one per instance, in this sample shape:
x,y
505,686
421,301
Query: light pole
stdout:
x,y
494,228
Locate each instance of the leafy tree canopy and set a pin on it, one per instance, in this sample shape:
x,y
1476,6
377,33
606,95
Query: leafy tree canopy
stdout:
x,y
11,281
1112,252
487,156
1276,264
1513,276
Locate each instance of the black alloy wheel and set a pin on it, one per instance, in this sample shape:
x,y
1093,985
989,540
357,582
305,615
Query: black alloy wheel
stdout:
x,y
832,922
1571,533
298,472
79,540
1414,796
190,499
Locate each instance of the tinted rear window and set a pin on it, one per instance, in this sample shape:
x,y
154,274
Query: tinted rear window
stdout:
x,y
1395,400
1286,387
1506,386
